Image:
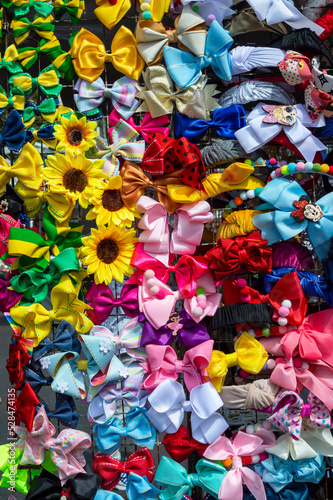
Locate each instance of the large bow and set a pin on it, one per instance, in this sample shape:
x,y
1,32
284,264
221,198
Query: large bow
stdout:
x,y
140,462
47,109
89,55
249,355
181,445
110,14
47,81
209,477
167,406
13,135
122,94
148,127
22,28
25,406
242,445
225,122
27,168
9,61
137,427
129,339
216,55
266,121
65,339
294,212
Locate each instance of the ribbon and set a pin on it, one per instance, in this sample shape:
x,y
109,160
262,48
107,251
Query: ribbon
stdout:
x,y
45,134
22,28
122,94
111,13
139,488
22,7
137,427
16,100
9,61
89,55
36,379
140,462
74,8
216,55
8,298
65,339
18,358
25,406
47,110
128,340
311,442
65,411
47,81
249,355
181,445
13,133
148,127
225,122
27,168
242,445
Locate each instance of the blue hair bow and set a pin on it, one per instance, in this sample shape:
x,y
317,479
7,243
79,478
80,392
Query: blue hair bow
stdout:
x,y
137,488
65,410
294,213
36,379
185,68
13,133
65,339
225,121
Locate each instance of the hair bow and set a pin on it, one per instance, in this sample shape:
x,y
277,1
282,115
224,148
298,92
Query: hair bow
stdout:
x,y
23,27
111,14
65,339
66,450
8,298
13,134
65,410
137,427
242,445
47,109
88,47
36,379
225,122
22,7
19,357
27,168
167,406
122,94
300,491
149,126
181,445
208,476
249,355
139,488
218,41
15,101
45,134
294,212
47,82
140,462
9,61
129,339
25,406
74,8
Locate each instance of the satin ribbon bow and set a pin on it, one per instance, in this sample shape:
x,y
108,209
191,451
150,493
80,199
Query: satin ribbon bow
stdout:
x,y
89,55
47,109
139,488
13,133
178,482
47,81
167,406
249,355
148,127
23,27
15,100
267,121
140,462
25,406
9,61
189,32
242,445
122,94
66,450
128,339
65,339
216,55
162,364
65,411
45,134
8,298
137,427
111,13
291,215
27,168
181,445
74,8
19,357
225,122
184,238
22,7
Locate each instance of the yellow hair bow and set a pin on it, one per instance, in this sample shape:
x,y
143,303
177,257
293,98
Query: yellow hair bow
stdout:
x,y
22,28
158,8
37,320
47,81
249,355
16,101
109,14
10,62
27,168
89,55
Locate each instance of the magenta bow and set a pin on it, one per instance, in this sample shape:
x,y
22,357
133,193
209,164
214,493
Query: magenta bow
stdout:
x,y
66,450
163,364
243,445
149,126
8,298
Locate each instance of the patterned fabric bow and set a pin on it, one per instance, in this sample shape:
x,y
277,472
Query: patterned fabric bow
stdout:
x,y
66,450
249,355
23,27
15,100
27,168
19,357
140,462
9,61
122,94
294,212
65,339
13,134
47,109
181,445
89,55
128,340
137,427
216,55
22,7
65,411
74,8
167,406
148,127
47,82
25,406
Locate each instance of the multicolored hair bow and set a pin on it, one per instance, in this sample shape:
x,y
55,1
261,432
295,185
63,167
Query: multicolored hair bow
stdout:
x,y
15,100
22,7
47,109
148,127
47,81
45,134
22,28
74,8
129,339
9,61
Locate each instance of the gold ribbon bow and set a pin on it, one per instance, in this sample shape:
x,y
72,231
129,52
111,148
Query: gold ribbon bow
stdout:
x,y
89,55
27,168
110,15
249,355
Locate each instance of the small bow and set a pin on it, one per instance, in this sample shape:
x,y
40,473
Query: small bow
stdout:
x,y
65,410
74,8
23,27
137,427
22,7
122,94
16,100
140,462
216,55
27,168
129,339
25,406
181,445
139,488
47,81
148,127
47,109
249,355
36,379
9,61
65,339
45,134
89,55
13,134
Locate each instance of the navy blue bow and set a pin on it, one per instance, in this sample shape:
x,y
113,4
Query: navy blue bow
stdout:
x,y
13,133
65,410
65,339
36,379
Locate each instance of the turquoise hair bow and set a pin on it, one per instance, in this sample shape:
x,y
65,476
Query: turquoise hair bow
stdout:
x,y
137,488
294,212
185,68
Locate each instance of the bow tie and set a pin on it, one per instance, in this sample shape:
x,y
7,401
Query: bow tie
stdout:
x,y
294,212
74,8
225,122
47,110
149,126
162,364
13,134
65,339
249,355
208,476
137,427
218,41
122,94
129,339
140,462
19,356
89,55
23,27
9,61
16,100
25,406
65,410
47,82
27,168
181,445
167,406
45,134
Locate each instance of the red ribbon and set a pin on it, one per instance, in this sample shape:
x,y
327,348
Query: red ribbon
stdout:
x,y
181,445
18,359
26,405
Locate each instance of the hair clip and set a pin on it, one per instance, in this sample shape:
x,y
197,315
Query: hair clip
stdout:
x,y
23,27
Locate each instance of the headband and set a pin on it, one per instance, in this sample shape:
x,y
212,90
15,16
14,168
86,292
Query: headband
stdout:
x,y
246,58
254,90
223,151
246,21
291,254
238,313
260,394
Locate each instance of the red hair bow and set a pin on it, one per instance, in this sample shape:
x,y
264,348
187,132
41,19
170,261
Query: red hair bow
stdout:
x,y
18,359
181,445
25,406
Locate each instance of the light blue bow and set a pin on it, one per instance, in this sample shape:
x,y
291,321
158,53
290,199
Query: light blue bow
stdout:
x,y
137,427
185,68
279,473
137,488
283,223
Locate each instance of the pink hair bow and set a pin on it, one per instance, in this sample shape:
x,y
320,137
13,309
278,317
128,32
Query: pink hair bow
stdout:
x,y
128,340
66,450
149,126
163,364
243,445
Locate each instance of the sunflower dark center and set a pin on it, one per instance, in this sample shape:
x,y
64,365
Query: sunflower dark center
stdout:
x,y
111,200
74,136
75,180
107,251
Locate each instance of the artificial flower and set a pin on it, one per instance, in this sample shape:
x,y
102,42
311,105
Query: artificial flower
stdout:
x,y
75,134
